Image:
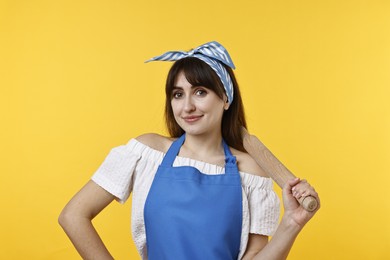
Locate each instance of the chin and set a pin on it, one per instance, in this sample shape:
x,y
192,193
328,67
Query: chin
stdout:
x,y
197,129
193,130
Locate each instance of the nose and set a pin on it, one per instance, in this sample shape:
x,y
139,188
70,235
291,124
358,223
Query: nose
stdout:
x,y
189,105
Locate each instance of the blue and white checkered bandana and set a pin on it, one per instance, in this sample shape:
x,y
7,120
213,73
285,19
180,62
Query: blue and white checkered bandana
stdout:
x,y
214,54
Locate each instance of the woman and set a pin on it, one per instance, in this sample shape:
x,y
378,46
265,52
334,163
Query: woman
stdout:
x,y
196,194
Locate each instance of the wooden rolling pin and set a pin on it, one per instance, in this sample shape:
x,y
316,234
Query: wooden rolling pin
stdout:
x,y
273,167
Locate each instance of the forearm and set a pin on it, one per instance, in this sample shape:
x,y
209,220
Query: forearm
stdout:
x,y
85,238
280,245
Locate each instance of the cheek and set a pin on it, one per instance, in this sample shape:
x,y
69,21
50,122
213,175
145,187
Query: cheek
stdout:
x,y
215,106
175,108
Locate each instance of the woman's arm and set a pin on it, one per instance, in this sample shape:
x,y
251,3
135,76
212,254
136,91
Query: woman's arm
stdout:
x,y
255,244
76,219
293,220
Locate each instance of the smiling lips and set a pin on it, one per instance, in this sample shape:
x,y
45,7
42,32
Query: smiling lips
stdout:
x,y
190,119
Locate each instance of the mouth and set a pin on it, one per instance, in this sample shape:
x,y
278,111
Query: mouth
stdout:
x,y
190,119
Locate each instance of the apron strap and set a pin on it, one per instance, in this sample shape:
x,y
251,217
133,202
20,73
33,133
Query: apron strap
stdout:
x,y
230,160
173,151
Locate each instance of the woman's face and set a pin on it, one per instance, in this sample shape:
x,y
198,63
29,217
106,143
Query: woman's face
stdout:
x,y
197,109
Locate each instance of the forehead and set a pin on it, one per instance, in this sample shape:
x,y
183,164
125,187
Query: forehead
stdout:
x,y
181,81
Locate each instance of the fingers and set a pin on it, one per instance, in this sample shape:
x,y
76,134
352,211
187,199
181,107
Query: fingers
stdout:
x,y
290,184
301,189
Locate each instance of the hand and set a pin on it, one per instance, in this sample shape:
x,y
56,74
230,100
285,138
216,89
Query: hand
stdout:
x,y
293,211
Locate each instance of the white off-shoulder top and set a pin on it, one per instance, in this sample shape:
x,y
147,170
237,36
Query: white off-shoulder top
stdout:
x,y
132,167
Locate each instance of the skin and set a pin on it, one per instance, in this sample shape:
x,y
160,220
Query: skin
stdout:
x,y
198,111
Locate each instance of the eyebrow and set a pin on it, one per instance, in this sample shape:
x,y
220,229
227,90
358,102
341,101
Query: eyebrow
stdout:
x,y
178,87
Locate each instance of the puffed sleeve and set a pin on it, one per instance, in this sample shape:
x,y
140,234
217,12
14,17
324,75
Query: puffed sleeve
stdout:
x,y
116,172
264,204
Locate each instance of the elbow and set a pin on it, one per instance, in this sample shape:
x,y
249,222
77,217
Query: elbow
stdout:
x,y
64,218
71,219
68,218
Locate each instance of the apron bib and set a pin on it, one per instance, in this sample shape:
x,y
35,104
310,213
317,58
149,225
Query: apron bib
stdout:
x,y
191,215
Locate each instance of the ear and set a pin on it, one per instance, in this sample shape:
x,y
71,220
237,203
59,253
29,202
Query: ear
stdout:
x,y
226,105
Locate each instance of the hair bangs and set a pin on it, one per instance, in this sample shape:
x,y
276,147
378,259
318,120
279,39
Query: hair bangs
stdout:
x,y
197,73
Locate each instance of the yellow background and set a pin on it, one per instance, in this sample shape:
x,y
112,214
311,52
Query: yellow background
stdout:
x,y
315,78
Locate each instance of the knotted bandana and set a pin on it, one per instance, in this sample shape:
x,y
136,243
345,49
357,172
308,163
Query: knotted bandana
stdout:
x,y
213,54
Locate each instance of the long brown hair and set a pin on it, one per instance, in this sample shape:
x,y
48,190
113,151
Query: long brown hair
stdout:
x,y
198,73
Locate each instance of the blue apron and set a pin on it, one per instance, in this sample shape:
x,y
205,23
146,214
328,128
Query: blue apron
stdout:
x,y
191,215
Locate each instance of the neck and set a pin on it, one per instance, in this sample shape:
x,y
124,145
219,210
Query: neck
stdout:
x,y
203,146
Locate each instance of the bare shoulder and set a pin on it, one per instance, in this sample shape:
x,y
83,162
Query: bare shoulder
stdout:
x,y
155,141
247,164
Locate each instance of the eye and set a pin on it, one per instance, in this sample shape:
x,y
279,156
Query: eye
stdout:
x,y
177,94
200,92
